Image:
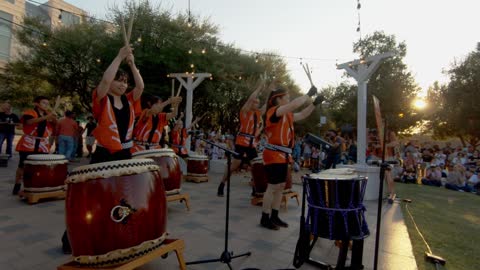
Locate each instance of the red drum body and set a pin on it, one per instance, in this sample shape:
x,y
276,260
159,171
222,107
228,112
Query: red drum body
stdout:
x,y
197,166
335,204
43,173
169,171
259,176
260,179
115,211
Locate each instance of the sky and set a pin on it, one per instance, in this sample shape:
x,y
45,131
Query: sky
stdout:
x,y
436,32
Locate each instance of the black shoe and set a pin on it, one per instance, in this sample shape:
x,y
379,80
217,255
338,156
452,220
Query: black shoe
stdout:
x,y
276,220
267,223
220,189
16,189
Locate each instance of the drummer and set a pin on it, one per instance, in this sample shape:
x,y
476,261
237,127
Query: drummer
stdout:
x,y
246,140
149,128
278,150
115,113
38,125
115,110
179,135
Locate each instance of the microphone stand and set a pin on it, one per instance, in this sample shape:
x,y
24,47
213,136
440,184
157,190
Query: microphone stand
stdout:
x,y
383,166
226,256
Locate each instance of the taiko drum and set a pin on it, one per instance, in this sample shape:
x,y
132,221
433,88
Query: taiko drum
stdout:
x,y
115,211
44,173
170,171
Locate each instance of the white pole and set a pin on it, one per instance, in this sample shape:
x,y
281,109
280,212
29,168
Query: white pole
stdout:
x,y
362,123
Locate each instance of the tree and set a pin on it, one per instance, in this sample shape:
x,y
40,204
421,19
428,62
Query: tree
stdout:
x,y
457,110
70,61
392,83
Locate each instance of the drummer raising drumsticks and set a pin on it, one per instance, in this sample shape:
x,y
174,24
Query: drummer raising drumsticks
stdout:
x,y
250,128
278,150
38,125
115,111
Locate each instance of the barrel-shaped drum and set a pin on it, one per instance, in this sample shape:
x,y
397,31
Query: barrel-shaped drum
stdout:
x,y
170,171
115,211
335,204
260,180
44,173
197,166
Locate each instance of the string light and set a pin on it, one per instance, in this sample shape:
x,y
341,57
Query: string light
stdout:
x,y
240,77
192,65
211,78
98,60
190,51
204,51
44,44
139,39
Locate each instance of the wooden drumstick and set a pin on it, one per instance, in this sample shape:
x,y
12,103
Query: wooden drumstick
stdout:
x,y
179,88
124,33
307,71
130,25
57,104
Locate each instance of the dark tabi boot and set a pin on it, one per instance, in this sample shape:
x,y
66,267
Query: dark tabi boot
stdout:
x,y
220,189
276,220
267,223
16,188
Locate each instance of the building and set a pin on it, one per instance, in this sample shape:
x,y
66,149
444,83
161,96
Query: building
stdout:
x,y
55,13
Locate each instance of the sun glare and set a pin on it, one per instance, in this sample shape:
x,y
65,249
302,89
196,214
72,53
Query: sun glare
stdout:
x,y
419,104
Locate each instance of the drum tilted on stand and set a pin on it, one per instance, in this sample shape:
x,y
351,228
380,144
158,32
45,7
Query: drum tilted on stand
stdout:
x,y
335,212
45,173
115,211
170,171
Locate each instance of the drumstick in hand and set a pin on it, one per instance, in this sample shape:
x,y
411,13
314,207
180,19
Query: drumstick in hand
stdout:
x,y
124,33
179,88
57,104
307,71
130,25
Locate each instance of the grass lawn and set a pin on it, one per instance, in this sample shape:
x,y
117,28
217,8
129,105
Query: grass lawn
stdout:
x,y
449,221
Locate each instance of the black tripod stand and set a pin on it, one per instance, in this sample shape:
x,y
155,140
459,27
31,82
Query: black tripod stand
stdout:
x,y
226,256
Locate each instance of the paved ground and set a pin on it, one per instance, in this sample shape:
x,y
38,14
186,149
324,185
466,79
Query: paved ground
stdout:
x,y
30,234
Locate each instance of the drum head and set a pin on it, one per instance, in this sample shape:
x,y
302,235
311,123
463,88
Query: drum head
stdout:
x,y
337,174
258,159
197,157
154,153
111,169
45,157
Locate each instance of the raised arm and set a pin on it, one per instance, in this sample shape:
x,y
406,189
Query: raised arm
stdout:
x,y
139,85
292,105
109,74
175,101
253,95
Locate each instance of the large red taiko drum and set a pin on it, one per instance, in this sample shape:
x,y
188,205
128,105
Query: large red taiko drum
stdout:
x,y
115,211
44,173
170,171
197,166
